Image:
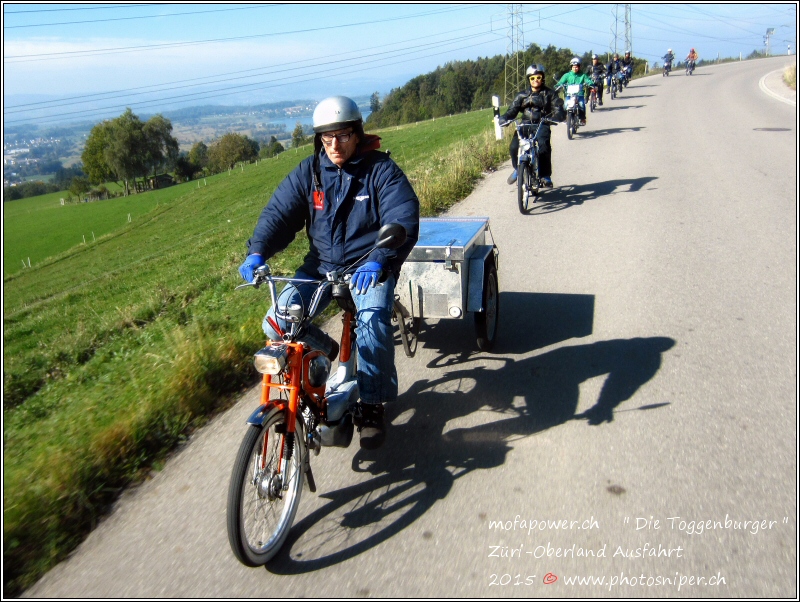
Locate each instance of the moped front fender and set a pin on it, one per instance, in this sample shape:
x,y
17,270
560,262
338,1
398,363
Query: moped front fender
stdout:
x,y
262,413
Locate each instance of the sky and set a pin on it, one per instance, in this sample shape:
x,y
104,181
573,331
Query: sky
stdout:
x,y
65,62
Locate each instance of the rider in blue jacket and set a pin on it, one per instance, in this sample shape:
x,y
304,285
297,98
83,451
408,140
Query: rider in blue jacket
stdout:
x,y
342,195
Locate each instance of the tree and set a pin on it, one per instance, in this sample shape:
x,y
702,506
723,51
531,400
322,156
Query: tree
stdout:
x,y
79,186
95,165
374,103
231,148
63,177
198,155
271,149
185,169
161,148
127,150
297,136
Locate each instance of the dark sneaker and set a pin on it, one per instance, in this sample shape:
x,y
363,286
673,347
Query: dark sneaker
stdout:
x,y
513,177
547,182
372,425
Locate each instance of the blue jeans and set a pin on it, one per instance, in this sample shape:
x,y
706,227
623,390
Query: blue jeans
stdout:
x,y
377,375
582,107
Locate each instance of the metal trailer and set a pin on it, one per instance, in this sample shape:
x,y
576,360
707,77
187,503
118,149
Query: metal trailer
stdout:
x,y
451,271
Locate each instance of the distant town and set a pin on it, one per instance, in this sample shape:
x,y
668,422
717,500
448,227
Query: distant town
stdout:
x,y
37,153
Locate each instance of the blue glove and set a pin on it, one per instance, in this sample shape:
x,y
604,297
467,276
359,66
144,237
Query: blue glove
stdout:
x,y
366,276
250,264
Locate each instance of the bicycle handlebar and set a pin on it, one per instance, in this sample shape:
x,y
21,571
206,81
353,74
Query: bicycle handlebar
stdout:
x,y
264,275
546,120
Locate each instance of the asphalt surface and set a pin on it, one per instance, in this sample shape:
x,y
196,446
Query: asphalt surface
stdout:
x,y
643,388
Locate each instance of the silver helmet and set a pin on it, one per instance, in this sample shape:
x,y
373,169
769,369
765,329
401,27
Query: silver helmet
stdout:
x,y
534,70
336,113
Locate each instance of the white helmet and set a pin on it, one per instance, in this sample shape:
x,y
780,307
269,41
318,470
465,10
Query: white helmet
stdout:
x,y
669,49
575,61
336,113
594,56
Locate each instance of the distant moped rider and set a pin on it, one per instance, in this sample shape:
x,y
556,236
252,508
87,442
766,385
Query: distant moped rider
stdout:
x,y
691,59
668,58
535,104
341,196
614,66
597,72
575,77
627,65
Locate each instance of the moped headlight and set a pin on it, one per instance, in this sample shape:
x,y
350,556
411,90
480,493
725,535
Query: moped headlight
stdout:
x,y
270,360
524,145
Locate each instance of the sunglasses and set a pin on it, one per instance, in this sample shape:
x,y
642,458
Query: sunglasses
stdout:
x,y
327,139
535,77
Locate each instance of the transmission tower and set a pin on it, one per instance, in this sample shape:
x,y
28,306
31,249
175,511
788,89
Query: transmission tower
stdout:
x,y
515,69
628,38
612,47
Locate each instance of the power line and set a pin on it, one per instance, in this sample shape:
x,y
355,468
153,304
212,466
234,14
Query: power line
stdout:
x,y
107,7
228,91
198,12
124,49
37,106
138,89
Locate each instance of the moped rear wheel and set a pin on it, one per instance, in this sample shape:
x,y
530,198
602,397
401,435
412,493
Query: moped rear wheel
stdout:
x,y
260,511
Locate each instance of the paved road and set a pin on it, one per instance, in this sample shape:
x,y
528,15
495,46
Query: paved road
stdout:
x,y
646,367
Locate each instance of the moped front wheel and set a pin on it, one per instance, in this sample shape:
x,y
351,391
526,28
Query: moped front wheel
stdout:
x,y
522,185
570,125
262,499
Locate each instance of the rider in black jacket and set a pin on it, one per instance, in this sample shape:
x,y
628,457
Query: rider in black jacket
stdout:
x,y
537,102
597,71
627,65
614,66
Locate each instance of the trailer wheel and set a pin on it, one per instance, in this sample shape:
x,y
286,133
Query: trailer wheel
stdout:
x,y
486,320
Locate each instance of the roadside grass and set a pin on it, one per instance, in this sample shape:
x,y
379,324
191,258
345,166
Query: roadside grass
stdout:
x,y
115,350
790,76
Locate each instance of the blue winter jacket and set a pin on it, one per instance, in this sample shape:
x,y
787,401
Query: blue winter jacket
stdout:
x,y
369,191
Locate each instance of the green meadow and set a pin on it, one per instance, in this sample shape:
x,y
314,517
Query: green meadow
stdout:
x,y
114,350
39,227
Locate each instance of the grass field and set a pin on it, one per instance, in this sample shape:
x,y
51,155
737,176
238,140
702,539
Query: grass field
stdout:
x,y
40,227
115,348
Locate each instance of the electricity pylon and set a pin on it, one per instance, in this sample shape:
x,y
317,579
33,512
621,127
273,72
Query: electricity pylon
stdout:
x,y
515,69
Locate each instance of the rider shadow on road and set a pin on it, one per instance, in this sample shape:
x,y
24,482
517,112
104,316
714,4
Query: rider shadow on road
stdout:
x,y
607,131
619,107
464,415
564,197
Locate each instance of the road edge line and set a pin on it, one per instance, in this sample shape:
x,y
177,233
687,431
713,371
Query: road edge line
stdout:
x,y
769,92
